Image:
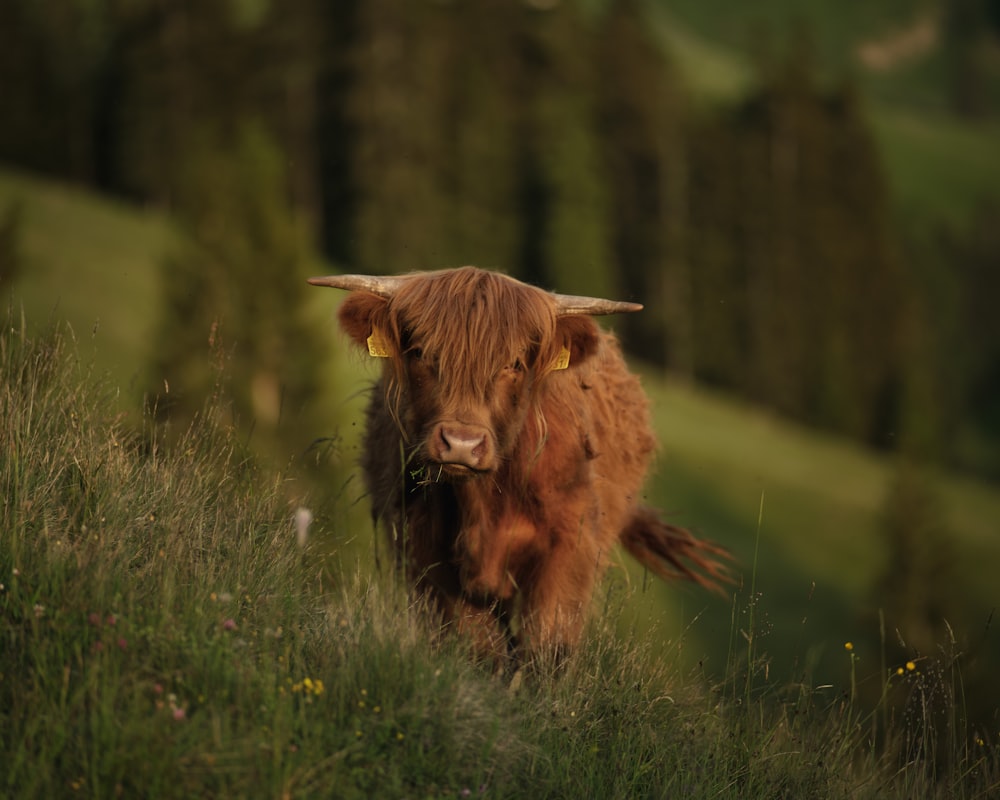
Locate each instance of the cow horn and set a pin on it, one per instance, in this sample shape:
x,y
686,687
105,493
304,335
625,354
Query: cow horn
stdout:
x,y
387,285
571,304
382,285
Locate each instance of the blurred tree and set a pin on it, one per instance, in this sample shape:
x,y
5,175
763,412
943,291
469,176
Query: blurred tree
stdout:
x,y
397,103
713,248
931,377
929,619
481,130
564,155
475,142
979,256
335,129
190,62
53,57
796,282
917,587
235,294
953,344
641,126
970,40
11,256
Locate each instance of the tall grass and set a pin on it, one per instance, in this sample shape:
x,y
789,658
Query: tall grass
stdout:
x,y
163,634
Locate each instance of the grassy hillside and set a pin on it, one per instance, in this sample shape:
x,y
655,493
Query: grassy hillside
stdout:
x,y
163,634
940,166
805,516
833,28
93,263
820,541
940,169
97,265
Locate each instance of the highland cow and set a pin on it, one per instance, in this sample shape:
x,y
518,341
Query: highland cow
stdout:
x,y
505,451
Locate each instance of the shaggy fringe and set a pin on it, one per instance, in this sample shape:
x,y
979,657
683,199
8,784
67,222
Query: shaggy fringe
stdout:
x,y
506,316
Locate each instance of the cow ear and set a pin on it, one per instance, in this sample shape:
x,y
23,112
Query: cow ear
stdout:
x,y
361,315
580,335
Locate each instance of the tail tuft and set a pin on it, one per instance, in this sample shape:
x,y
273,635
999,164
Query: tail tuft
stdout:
x,y
673,552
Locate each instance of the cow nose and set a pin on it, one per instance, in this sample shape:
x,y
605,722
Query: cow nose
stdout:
x,y
462,446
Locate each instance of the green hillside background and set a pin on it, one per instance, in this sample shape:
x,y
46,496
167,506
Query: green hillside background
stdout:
x,y
174,232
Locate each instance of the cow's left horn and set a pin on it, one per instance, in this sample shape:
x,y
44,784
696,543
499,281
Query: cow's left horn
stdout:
x,y
382,285
571,304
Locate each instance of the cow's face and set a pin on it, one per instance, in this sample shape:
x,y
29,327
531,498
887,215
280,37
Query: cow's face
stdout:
x,y
466,355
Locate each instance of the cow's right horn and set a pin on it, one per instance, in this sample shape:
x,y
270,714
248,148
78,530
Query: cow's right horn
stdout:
x,y
572,304
382,285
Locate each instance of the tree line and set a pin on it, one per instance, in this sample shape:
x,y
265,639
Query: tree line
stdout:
x,y
552,140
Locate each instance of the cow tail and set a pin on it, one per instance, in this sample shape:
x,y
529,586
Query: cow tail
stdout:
x,y
673,552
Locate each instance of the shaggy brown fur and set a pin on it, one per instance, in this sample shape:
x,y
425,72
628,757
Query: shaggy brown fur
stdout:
x,y
500,477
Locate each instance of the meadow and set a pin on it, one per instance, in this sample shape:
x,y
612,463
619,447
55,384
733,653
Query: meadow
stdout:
x,y
161,558
163,632
168,631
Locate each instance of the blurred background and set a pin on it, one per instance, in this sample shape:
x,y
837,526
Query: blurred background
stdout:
x,y
804,195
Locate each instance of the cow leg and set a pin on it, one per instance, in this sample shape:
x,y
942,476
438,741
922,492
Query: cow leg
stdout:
x,y
485,628
556,600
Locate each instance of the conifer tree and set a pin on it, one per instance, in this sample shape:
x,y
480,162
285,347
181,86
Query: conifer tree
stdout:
x,y
234,294
483,119
564,151
916,589
195,62
640,122
794,258
397,104
11,256
52,58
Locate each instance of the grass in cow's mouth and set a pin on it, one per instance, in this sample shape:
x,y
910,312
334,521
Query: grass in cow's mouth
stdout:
x,y
426,475
429,474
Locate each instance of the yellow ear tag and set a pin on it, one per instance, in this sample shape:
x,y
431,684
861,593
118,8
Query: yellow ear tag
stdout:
x,y
377,345
562,360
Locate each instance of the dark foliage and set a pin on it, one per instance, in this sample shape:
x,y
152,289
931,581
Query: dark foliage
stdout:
x,y
554,144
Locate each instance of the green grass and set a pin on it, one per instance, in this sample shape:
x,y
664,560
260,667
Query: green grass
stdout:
x,y
159,622
834,29
163,634
840,485
711,72
93,263
807,510
940,169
